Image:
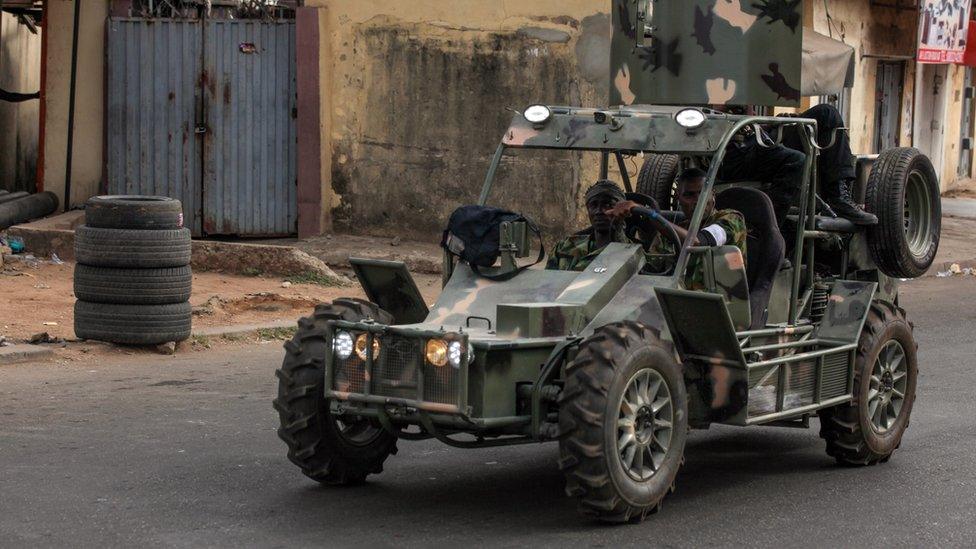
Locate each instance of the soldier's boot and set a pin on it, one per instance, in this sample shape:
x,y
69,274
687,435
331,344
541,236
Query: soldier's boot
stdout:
x,y
839,199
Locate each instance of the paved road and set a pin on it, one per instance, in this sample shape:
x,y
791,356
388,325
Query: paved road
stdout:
x,y
181,451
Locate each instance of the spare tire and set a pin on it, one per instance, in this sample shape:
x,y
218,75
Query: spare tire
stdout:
x,y
903,191
133,286
132,249
658,179
133,212
133,324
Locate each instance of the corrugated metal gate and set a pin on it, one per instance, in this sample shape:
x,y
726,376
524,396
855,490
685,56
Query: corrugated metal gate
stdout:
x,y
204,111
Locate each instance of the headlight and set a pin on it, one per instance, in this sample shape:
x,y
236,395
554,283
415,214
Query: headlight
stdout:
x,y
454,353
361,347
342,344
690,118
537,114
437,352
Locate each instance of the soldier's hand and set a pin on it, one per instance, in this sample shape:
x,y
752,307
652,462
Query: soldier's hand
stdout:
x,y
621,209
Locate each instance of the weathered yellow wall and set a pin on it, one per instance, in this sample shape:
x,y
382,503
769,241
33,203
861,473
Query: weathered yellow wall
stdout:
x,y
20,71
417,100
89,100
871,30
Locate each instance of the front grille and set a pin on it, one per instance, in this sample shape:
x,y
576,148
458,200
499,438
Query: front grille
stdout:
x,y
835,369
396,368
400,371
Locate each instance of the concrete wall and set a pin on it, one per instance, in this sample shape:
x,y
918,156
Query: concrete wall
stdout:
x,y
419,93
872,31
20,71
89,119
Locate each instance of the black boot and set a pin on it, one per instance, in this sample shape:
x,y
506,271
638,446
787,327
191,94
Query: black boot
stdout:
x,y
840,201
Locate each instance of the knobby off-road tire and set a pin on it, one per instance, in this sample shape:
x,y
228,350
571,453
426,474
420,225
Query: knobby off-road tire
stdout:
x,y
903,191
134,212
133,324
867,430
326,450
602,397
132,249
133,286
658,177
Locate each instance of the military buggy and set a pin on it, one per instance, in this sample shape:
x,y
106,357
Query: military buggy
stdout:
x,y
616,364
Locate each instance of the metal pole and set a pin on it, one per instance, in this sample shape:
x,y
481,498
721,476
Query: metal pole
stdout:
x,y
71,106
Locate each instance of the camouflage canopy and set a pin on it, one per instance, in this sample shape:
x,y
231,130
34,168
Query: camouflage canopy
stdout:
x,y
680,52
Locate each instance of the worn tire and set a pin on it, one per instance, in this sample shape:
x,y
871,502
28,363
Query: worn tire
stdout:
x,y
315,440
658,179
133,324
904,181
133,212
132,249
133,286
589,408
851,437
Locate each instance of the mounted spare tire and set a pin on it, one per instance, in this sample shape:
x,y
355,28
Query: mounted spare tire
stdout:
x,y
658,179
133,212
903,191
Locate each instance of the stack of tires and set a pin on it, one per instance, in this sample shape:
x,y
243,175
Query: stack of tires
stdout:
x,y
132,278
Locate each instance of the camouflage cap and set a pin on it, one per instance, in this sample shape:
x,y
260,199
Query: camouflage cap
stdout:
x,y
605,186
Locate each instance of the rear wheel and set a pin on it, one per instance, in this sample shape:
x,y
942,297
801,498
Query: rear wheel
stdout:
x,y
870,428
328,449
623,423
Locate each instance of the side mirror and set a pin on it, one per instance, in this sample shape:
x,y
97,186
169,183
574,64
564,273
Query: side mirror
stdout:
x,y
514,239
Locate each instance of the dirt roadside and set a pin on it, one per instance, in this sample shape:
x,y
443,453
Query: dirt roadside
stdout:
x,y
37,297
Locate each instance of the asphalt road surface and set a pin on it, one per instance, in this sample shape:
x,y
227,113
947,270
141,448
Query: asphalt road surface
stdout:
x,y
181,451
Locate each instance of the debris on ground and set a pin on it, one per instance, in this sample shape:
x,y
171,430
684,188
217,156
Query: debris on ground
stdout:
x,y
286,284
395,241
4,342
956,269
46,338
168,348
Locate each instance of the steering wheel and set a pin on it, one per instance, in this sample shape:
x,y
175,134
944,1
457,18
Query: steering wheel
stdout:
x,y
635,222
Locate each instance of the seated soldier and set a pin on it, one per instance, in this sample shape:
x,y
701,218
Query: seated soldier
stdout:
x,y
719,228
781,166
576,252
607,207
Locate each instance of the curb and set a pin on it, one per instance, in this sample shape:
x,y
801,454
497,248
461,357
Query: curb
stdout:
x,y
244,329
14,354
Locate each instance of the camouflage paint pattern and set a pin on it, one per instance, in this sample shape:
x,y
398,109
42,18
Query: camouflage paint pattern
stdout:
x,y
706,52
627,129
517,327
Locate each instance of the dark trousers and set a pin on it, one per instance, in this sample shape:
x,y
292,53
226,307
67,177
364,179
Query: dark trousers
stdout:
x,y
780,167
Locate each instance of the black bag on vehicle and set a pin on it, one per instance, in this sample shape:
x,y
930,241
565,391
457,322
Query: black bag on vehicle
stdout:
x,y
473,234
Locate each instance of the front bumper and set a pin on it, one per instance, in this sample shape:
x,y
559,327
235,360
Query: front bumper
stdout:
x,y
399,375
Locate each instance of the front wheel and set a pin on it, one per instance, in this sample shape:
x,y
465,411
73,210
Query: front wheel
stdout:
x,y
869,428
623,420
328,449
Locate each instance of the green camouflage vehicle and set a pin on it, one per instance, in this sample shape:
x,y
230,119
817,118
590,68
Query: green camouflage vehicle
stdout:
x,y
616,364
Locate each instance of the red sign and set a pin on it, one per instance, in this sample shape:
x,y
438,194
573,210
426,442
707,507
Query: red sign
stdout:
x,y
943,30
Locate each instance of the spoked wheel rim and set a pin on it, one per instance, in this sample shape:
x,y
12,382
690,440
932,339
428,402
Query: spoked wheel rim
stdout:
x,y
889,383
918,215
645,425
358,431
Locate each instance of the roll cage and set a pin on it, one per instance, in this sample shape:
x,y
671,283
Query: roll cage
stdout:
x,y
635,130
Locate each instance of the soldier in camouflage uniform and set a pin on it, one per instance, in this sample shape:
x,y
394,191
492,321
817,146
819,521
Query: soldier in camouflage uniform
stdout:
x,y
579,250
607,207
720,228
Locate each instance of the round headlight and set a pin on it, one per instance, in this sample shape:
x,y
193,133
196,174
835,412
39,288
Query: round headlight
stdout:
x,y
454,353
361,347
436,352
537,114
342,344
690,118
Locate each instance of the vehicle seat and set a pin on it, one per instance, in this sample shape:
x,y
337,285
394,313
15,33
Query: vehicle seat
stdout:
x,y
765,247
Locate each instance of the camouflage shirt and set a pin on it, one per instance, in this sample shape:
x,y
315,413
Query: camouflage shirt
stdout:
x,y
578,251
662,253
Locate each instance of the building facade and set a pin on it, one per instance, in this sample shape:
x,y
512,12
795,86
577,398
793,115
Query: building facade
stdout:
x,y
399,106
